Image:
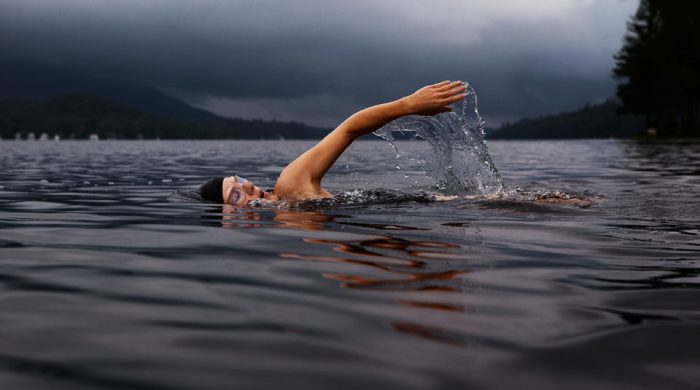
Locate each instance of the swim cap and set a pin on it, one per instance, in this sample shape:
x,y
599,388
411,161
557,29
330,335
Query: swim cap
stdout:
x,y
212,190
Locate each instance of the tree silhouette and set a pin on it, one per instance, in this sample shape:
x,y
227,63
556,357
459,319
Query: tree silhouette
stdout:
x,y
659,66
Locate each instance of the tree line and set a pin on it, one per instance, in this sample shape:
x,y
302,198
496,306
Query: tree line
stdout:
x,y
79,115
659,67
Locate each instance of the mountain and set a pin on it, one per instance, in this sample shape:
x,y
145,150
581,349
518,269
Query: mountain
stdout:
x,y
41,82
39,98
80,115
592,121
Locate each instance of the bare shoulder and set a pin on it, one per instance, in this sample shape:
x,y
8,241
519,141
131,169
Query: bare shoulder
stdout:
x,y
295,184
302,195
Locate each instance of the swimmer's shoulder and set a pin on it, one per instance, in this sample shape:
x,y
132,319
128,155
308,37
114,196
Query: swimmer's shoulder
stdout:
x,y
299,186
301,192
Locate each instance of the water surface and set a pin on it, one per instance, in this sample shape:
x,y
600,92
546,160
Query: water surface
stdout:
x,y
112,277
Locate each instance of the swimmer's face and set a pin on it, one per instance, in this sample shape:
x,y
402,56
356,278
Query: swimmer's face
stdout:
x,y
239,192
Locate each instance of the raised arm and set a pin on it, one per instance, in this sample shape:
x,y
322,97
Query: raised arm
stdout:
x,y
302,177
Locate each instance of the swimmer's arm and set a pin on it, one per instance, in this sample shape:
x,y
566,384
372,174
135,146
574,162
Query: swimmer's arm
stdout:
x,y
305,173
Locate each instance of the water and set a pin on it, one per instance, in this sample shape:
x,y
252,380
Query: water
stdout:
x,y
458,160
111,276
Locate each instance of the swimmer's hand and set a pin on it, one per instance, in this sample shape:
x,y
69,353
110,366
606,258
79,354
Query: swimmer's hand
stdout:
x,y
434,99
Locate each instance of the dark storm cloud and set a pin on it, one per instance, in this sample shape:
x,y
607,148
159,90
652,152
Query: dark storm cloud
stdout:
x,y
316,61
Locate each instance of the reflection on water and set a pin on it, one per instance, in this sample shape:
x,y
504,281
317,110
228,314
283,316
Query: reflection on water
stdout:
x,y
406,265
675,157
111,277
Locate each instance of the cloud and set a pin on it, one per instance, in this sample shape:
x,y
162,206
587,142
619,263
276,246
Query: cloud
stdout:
x,y
300,59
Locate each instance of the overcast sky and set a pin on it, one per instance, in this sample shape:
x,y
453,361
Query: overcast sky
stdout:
x,y
316,61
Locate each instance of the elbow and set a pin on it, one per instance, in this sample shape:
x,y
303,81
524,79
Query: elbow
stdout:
x,y
350,130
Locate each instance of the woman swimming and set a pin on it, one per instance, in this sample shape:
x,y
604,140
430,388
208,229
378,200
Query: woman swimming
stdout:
x,y
301,179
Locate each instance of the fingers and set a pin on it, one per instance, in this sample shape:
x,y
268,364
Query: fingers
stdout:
x,y
452,90
442,83
449,85
454,98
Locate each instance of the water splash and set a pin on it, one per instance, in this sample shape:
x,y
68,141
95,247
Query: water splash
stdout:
x,y
459,162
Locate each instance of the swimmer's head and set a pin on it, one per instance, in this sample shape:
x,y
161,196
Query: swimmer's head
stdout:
x,y
212,190
233,190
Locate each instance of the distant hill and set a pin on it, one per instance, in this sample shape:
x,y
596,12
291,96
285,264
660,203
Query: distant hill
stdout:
x,y
79,115
592,121
41,82
39,98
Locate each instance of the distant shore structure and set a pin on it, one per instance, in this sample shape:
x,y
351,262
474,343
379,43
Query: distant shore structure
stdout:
x,y
94,137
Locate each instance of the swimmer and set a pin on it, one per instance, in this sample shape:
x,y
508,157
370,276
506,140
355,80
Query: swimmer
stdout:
x,y
301,179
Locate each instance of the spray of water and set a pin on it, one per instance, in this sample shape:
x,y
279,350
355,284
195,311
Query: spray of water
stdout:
x,y
459,161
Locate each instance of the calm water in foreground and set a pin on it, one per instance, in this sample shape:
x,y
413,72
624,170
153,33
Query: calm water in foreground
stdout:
x,y
112,277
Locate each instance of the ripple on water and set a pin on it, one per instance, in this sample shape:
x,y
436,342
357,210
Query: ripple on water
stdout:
x,y
387,286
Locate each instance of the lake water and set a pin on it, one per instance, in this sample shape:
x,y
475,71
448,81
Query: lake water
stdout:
x,y
111,276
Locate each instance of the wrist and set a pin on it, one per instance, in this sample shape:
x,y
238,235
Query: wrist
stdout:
x,y
404,106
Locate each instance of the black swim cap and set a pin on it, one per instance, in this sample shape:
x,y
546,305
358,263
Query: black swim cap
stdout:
x,y
212,190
